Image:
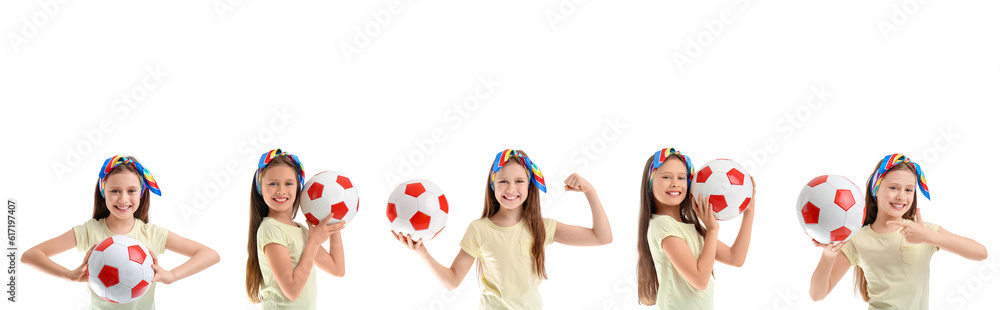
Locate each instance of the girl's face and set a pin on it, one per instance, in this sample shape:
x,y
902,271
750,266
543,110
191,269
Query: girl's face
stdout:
x,y
279,185
121,194
670,182
896,192
510,185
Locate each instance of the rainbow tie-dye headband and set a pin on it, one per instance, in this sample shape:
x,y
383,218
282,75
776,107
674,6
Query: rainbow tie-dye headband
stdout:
x,y
891,161
267,157
532,169
148,183
660,157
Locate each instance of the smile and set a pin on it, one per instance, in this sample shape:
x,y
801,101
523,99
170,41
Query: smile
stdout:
x,y
280,199
511,197
122,208
674,193
897,206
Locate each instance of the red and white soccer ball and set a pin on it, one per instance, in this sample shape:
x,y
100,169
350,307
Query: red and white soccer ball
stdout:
x,y
417,208
831,209
329,192
120,269
727,186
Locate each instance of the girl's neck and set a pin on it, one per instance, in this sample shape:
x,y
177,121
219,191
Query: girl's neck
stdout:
x,y
506,217
672,211
284,217
881,223
119,226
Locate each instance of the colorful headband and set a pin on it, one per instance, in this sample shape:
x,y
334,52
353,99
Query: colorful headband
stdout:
x,y
891,161
660,157
505,155
148,183
272,154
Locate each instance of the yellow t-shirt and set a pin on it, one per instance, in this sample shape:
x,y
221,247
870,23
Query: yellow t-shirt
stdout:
x,y
509,279
94,231
292,238
898,273
675,292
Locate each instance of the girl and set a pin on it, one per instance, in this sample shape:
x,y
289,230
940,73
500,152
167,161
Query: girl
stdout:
x,y
892,251
676,252
286,279
509,240
121,206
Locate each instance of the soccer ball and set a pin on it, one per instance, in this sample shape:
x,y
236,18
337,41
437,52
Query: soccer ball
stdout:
x,y
727,186
831,209
417,208
329,192
120,269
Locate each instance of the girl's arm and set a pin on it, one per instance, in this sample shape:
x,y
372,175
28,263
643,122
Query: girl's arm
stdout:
x,y
332,262
736,255
450,277
201,257
38,257
696,271
916,233
292,279
581,236
831,268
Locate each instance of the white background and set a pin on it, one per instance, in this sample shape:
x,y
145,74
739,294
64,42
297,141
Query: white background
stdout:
x,y
595,93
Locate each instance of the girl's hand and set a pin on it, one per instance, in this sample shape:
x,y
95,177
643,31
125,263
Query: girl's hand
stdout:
x,y
753,199
829,250
319,234
576,183
406,241
914,232
703,209
161,274
80,273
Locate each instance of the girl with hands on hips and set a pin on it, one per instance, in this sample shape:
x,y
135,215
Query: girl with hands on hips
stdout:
x,y
121,206
512,220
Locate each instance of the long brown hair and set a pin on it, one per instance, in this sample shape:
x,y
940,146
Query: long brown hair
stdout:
x,y
645,268
871,211
532,216
258,211
101,207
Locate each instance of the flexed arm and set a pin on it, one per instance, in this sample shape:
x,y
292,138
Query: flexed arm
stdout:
x,y
600,234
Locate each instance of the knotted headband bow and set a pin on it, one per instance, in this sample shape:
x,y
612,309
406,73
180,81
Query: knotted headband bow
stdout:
x,y
891,161
532,169
148,183
272,154
661,156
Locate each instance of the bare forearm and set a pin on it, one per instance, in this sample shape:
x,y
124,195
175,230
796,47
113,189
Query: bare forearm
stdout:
x,y
707,259
201,260
444,274
820,285
601,226
742,244
965,247
337,254
38,259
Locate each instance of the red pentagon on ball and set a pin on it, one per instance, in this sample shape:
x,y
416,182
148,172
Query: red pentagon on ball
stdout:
x,y
108,275
414,189
420,221
339,210
718,202
840,234
844,199
817,181
344,182
390,212
444,203
315,191
140,289
136,254
735,177
810,213
104,244
703,174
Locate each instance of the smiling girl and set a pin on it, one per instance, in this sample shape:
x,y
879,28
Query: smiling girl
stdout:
x,y
121,206
892,251
509,240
